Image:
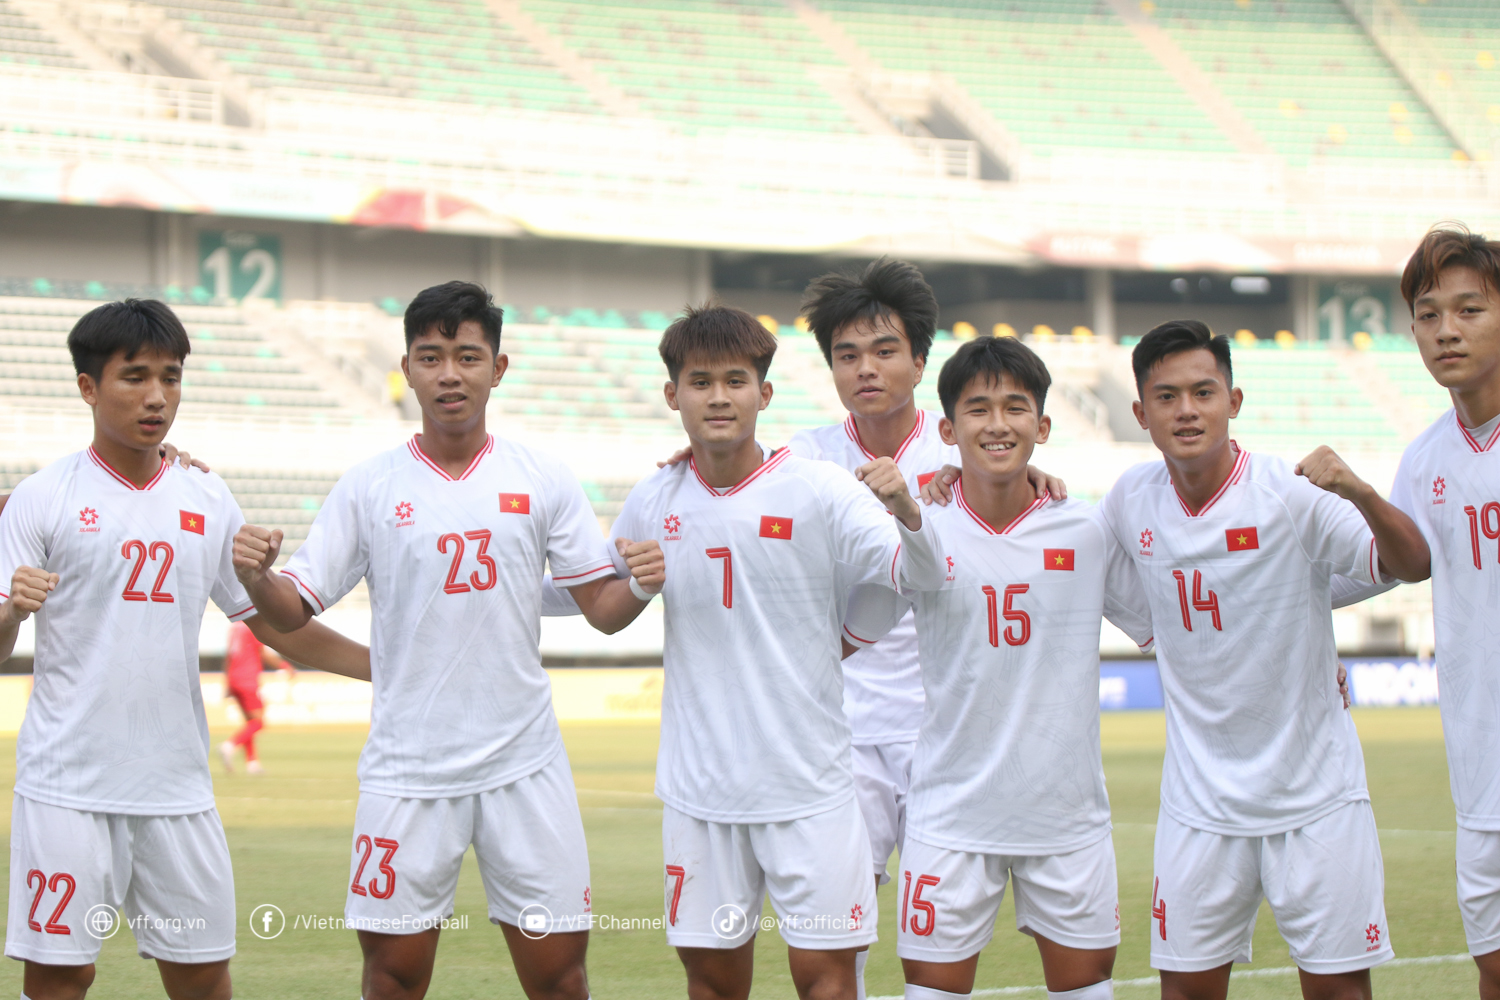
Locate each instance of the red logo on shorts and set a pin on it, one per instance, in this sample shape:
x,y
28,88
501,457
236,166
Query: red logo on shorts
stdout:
x,y
856,914
1159,908
1372,933
588,906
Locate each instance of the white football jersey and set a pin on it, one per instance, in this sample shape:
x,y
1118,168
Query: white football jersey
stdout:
x,y
757,576
1258,742
454,568
1449,482
115,723
1008,757
882,683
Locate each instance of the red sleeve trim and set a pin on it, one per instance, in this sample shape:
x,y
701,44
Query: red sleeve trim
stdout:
x,y
305,589
1374,564
4,596
587,572
894,582
241,615
1143,645
865,642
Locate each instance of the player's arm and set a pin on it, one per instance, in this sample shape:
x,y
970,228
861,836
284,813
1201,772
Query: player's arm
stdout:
x,y
1403,550
869,615
275,597
917,565
317,646
29,588
612,603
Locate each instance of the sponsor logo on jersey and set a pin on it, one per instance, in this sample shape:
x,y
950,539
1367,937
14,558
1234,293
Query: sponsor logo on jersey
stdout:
x,y
949,577
672,526
1439,486
1372,935
856,914
775,527
1057,559
90,518
1146,539
404,513
515,503
1241,539
191,522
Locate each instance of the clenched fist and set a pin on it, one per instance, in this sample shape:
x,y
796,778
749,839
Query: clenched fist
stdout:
x,y
255,550
888,484
647,562
1324,469
29,588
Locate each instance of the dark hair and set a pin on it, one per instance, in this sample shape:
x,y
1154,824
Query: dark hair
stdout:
x,y
991,357
447,305
131,326
1174,337
716,333
1446,245
885,288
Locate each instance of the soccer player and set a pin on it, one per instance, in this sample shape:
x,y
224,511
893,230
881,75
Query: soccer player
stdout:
x,y
1263,786
1007,782
244,661
761,548
116,552
452,531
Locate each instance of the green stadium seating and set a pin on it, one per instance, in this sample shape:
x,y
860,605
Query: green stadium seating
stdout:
x,y
23,42
1467,34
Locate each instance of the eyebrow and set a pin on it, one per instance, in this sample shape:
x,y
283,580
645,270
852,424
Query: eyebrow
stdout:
x,y
887,338
708,374
433,345
138,369
1196,385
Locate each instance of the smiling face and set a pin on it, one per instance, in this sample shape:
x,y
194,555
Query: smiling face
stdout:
x,y
1457,326
718,399
1186,404
135,399
452,376
873,367
996,427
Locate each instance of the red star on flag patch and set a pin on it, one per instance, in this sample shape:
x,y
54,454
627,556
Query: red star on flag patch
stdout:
x,y
515,503
775,527
1057,559
192,522
1240,539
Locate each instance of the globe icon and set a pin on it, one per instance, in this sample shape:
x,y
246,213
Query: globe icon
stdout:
x,y
101,920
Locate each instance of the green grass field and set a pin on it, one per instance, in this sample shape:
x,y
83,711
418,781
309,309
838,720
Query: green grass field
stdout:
x,y
289,833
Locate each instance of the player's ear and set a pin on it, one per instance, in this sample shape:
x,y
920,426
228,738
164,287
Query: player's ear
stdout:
x,y
502,362
921,365
405,367
1236,400
669,391
947,431
1139,409
1043,428
765,394
88,388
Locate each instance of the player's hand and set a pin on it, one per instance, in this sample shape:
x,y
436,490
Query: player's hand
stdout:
x,y
886,481
939,489
29,588
1343,676
1044,484
680,455
255,550
1325,470
647,562
169,452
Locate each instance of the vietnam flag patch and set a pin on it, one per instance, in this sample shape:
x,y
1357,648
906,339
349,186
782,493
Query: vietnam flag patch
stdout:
x,y
1057,559
191,522
924,479
775,527
1240,539
515,503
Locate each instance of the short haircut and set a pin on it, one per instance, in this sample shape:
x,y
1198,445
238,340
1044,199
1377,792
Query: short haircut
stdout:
x,y
131,326
717,333
992,357
1174,337
885,288
1449,245
448,305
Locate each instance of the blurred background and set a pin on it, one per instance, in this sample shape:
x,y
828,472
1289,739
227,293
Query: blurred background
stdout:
x,y
289,173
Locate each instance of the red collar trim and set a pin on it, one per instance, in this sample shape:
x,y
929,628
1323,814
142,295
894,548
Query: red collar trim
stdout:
x,y
421,456
916,432
777,457
958,494
1472,440
99,461
1241,463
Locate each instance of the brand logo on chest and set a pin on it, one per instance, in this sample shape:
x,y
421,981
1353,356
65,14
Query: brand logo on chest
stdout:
x,y
1146,539
671,527
949,577
1439,487
89,519
405,515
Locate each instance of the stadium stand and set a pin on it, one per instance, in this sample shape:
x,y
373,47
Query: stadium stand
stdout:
x,y
1467,33
23,41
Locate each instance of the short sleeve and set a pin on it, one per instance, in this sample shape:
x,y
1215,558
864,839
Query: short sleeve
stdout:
x,y
336,555
1345,592
557,602
23,534
227,592
627,525
1125,602
1402,496
864,534
575,547
1332,532
872,612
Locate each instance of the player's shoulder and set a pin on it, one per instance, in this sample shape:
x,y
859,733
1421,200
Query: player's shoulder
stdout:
x,y
821,475
1142,475
1438,436
665,480
818,442
52,475
197,483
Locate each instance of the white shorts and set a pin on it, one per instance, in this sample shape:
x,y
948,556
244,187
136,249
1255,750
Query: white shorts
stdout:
x,y
1325,882
71,870
1478,854
949,899
882,777
815,868
527,837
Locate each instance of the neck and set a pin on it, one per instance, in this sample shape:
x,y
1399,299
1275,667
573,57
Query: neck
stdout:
x,y
883,436
1476,407
725,465
1199,479
998,501
452,449
139,465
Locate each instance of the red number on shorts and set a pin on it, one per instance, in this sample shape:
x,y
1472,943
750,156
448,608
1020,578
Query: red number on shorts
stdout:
x,y
453,584
488,562
1009,613
42,885
389,846
723,553
678,873
1211,603
139,548
362,841
157,594
1479,521
923,905
1159,907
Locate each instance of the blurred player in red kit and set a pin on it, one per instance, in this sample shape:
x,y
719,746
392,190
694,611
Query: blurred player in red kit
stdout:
x,y
244,660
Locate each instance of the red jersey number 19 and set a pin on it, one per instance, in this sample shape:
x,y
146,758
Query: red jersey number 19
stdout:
x,y
1480,520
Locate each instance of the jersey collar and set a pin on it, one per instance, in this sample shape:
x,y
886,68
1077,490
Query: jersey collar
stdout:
x,y
109,470
958,494
421,456
1472,441
853,432
777,457
1241,463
